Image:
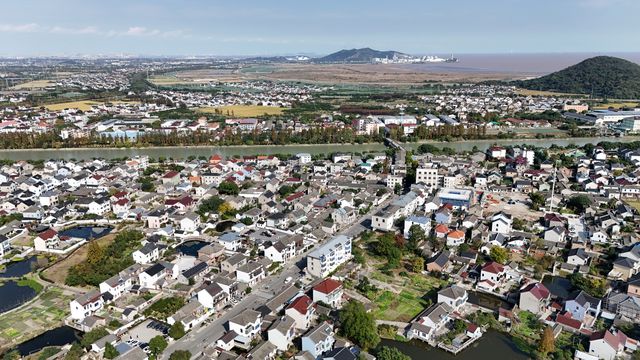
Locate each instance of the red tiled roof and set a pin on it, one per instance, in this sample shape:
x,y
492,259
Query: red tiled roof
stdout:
x,y
48,234
301,304
566,319
442,228
170,174
538,290
493,267
456,234
327,286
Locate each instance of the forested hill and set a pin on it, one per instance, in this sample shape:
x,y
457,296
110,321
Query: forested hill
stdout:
x,y
602,76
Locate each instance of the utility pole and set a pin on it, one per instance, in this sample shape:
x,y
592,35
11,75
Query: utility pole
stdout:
x,y
553,186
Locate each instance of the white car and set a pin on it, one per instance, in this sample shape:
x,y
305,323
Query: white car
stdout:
x,y
288,280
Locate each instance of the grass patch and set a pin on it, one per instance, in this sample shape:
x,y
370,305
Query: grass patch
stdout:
x,y
36,286
243,110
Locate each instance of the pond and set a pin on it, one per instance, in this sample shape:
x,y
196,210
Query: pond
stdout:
x,y
59,336
13,295
493,345
558,286
487,300
86,232
190,248
224,226
19,268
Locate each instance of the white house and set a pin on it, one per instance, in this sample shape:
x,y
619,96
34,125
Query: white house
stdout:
x,y
282,332
148,254
454,296
153,277
250,273
325,259
302,311
501,223
610,345
86,305
318,340
213,297
329,291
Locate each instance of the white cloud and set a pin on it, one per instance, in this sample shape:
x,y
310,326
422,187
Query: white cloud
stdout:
x,y
65,30
92,30
20,28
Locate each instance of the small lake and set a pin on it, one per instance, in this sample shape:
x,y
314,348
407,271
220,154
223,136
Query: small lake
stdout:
x,y
19,268
56,337
86,232
12,295
190,248
493,345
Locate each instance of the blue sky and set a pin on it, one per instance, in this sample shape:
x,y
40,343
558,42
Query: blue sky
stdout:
x,y
262,27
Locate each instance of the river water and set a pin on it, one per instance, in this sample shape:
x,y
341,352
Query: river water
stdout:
x,y
227,151
492,345
13,295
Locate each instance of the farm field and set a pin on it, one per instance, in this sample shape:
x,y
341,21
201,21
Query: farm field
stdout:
x,y
35,84
243,110
617,105
83,105
46,312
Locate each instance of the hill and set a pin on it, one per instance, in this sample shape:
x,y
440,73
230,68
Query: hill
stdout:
x,y
364,55
602,76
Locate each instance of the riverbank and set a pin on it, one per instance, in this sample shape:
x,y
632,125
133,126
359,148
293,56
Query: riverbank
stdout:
x,y
183,152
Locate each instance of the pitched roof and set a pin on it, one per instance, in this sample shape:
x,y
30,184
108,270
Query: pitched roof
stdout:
x,y
327,286
301,304
493,267
538,290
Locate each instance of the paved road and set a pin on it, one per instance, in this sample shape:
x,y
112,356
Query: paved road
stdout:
x,y
196,340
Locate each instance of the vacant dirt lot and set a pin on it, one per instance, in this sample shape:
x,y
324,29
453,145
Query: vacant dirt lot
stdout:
x,y
58,271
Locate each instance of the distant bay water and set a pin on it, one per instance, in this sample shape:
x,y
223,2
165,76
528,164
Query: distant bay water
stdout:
x,y
534,64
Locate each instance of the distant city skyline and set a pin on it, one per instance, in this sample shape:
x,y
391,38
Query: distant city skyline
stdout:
x,y
252,27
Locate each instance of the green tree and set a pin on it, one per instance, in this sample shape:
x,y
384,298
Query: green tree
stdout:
x,y
228,188
94,253
547,341
417,264
157,345
390,353
93,336
180,355
110,351
499,254
75,353
579,203
177,330
12,355
358,325
537,200
416,236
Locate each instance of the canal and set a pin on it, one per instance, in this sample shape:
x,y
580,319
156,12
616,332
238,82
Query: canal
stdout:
x,y
182,152
59,336
492,345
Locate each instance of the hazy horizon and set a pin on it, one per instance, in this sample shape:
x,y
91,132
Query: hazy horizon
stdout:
x,y
251,27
